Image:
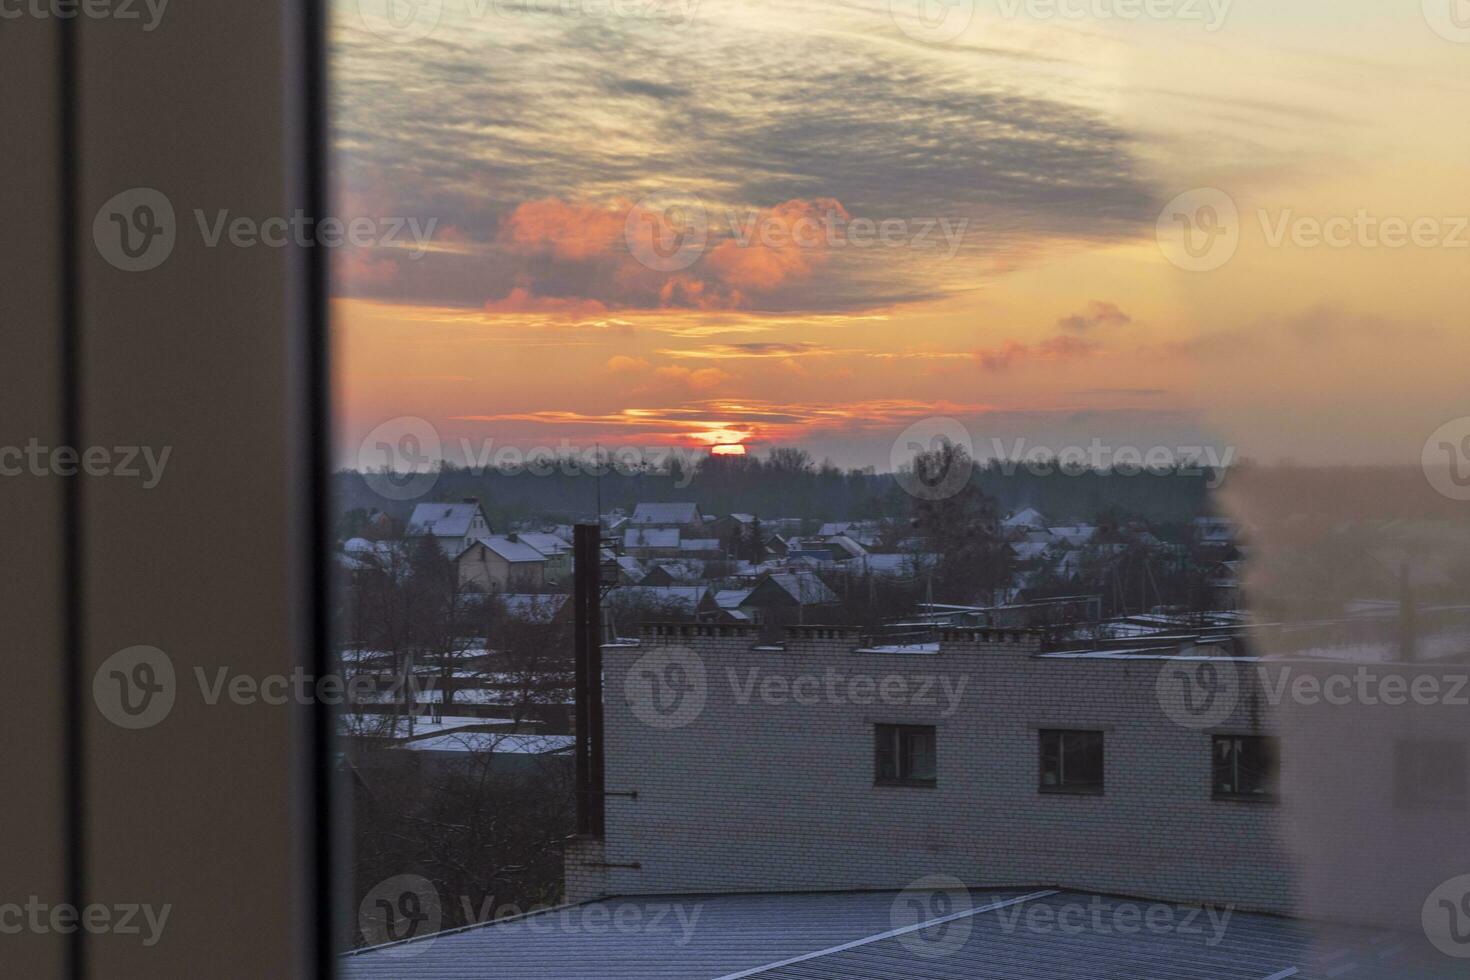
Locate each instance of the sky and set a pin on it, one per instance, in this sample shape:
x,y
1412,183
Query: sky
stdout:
x,y
849,226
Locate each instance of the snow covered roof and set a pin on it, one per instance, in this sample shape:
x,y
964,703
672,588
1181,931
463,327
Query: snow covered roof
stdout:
x,y
1075,535
513,551
547,544
847,544
804,587
493,742
398,726
443,520
1026,517
680,512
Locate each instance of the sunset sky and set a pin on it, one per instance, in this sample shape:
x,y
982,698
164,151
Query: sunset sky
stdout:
x,y
1020,167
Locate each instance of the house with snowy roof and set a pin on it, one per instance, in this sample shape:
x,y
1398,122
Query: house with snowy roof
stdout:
x,y
680,514
501,563
454,527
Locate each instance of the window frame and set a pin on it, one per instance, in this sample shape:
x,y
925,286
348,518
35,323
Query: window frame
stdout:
x,y
1235,796
107,357
899,732
1062,788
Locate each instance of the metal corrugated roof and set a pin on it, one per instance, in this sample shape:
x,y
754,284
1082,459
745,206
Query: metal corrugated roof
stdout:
x,y
1004,935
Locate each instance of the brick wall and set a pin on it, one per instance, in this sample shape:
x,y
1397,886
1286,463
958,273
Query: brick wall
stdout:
x,y
752,775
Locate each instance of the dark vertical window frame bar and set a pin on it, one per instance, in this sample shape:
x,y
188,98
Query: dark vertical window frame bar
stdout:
x,y
327,810
73,633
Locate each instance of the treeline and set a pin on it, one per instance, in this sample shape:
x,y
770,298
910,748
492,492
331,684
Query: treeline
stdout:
x,y
789,483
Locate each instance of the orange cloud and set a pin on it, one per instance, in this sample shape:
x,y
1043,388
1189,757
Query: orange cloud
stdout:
x,y
701,379
1060,347
590,255
782,243
567,231
622,363
520,300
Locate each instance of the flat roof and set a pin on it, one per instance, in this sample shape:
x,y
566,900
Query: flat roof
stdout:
x,y
1006,934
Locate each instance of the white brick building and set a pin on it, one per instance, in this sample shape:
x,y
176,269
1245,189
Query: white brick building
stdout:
x,y
776,795
752,775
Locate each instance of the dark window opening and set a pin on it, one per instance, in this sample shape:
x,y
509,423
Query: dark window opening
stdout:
x,y
1071,762
1246,767
904,755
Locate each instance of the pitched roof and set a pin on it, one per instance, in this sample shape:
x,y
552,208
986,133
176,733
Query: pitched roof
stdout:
x,y
442,520
1026,517
1075,535
731,598
678,512
516,551
847,544
547,544
804,587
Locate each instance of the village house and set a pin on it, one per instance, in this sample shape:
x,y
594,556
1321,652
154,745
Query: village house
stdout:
x,y
454,527
501,564
679,514
558,552
651,542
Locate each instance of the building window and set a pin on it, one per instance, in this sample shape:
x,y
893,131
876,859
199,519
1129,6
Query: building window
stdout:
x,y
1430,774
904,755
1246,767
1071,761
